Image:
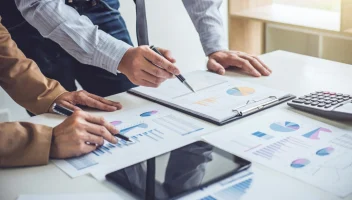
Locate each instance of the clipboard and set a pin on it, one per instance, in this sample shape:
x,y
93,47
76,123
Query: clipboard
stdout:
x,y
249,108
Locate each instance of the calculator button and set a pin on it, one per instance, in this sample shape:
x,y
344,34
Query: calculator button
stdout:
x,y
321,104
314,99
308,98
328,105
314,96
314,103
339,94
334,103
298,101
346,98
321,100
340,100
346,95
340,97
300,97
332,93
327,98
307,102
328,102
333,99
326,92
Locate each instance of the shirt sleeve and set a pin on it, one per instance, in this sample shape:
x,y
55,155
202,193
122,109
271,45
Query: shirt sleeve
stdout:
x,y
24,144
206,17
73,32
21,78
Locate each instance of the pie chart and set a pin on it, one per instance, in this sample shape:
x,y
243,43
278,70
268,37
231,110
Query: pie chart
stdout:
x,y
285,126
300,163
149,113
325,151
240,91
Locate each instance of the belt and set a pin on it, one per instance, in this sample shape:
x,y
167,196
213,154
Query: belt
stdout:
x,y
80,2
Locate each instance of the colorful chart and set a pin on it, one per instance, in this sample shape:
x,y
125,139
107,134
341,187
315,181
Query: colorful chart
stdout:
x,y
262,135
314,134
206,102
126,130
325,151
116,123
300,163
148,114
240,91
284,126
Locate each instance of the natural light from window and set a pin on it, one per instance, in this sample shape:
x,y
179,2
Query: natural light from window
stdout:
x,y
329,5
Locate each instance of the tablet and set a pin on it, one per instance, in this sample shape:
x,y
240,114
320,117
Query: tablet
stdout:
x,y
179,172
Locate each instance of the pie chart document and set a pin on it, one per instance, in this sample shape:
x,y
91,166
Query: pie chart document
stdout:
x,y
311,151
217,98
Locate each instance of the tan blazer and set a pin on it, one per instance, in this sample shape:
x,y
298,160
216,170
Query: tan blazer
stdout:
x,y
24,144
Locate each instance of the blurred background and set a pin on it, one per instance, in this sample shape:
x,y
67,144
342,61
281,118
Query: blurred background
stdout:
x,y
318,28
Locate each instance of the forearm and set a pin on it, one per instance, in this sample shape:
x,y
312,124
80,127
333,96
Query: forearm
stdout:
x,y
74,33
24,144
22,80
206,18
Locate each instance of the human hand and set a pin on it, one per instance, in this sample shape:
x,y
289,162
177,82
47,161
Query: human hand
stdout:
x,y
80,134
137,65
70,99
250,64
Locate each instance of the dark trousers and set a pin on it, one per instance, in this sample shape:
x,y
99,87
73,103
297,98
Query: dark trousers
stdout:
x,y
56,63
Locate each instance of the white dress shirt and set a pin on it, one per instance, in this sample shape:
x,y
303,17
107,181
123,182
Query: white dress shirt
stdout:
x,y
84,41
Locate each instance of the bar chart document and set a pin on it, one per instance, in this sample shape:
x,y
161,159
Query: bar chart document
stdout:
x,y
314,152
217,98
153,130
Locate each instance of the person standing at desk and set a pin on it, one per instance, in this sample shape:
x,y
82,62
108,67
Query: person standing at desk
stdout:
x,y
88,41
26,144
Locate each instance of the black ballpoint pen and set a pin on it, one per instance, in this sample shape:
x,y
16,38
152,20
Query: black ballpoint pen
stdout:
x,y
67,112
180,77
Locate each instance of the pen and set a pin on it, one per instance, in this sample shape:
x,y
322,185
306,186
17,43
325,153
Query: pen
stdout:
x,y
67,112
180,77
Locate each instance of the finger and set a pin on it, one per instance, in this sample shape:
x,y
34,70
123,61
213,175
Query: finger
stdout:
x,y
257,65
69,106
152,79
216,67
87,148
100,132
105,101
148,84
245,65
93,139
97,104
167,54
155,70
261,62
161,62
101,121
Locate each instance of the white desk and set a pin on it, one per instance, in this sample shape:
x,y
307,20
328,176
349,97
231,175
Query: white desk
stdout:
x,y
293,73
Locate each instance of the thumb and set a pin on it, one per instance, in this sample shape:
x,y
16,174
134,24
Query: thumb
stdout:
x,y
215,67
167,54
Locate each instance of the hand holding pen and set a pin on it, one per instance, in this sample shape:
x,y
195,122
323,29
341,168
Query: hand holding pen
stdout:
x,y
80,133
139,65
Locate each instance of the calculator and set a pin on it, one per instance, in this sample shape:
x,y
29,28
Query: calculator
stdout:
x,y
326,104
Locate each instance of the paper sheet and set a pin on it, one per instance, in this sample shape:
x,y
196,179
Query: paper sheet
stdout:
x,y
93,196
303,148
153,129
216,96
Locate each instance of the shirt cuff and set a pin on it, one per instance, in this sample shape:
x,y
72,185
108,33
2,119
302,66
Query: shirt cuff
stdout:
x,y
109,53
213,41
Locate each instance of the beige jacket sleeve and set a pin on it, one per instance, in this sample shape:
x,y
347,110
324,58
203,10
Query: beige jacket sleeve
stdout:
x,y
23,144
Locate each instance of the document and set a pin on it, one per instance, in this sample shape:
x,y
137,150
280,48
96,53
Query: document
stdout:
x,y
93,196
153,130
217,98
314,152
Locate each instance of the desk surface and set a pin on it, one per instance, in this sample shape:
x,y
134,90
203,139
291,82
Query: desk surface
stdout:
x,y
293,73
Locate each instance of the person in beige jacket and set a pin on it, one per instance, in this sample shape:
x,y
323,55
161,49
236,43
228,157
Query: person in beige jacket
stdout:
x,y
26,144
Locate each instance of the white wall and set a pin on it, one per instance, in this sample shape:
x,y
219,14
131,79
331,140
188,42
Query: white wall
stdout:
x,y
169,27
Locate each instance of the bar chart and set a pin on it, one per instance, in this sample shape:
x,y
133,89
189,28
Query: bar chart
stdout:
x,y
234,192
